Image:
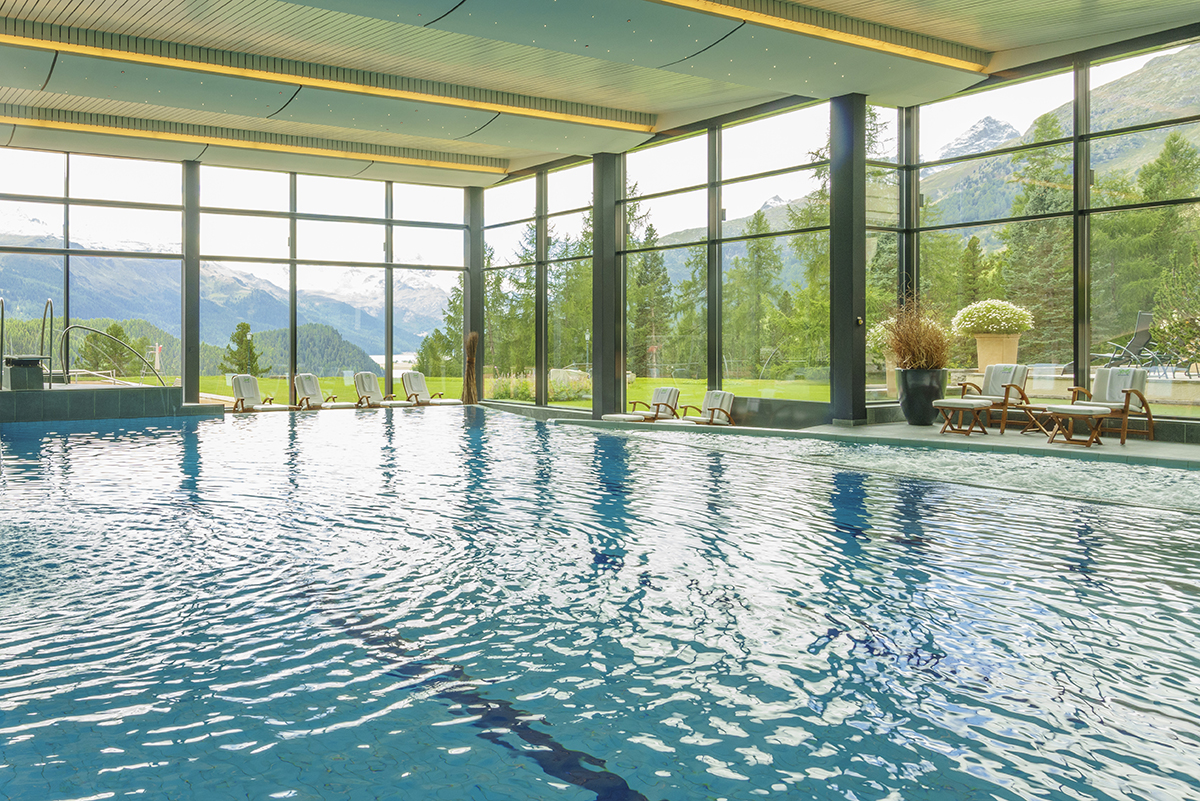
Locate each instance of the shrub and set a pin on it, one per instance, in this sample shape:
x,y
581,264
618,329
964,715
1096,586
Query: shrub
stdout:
x,y
877,338
991,317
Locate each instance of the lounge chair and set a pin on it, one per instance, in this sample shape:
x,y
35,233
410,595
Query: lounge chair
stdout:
x,y
662,406
715,411
416,391
371,397
247,398
1004,386
1122,391
308,395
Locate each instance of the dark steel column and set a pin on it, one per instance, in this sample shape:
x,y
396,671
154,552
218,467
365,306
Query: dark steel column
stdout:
x,y
910,203
608,286
473,285
848,258
292,358
189,291
66,265
541,327
715,214
1082,233
388,322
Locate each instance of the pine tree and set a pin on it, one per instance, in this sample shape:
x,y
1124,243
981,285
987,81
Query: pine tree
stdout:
x,y
241,356
751,291
651,304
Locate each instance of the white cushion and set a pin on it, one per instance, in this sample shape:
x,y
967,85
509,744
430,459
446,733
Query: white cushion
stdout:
x,y
962,403
1077,410
367,386
1111,381
631,417
995,376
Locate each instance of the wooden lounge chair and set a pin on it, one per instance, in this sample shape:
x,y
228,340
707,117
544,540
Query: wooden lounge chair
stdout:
x,y
715,411
371,397
416,392
1122,391
247,398
308,395
1004,386
662,406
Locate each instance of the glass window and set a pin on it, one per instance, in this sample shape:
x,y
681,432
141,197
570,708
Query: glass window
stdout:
x,y
28,281
784,140
682,217
569,189
229,235
775,296
230,188
31,225
883,281
104,178
339,241
883,133
792,200
427,203
1034,181
1144,88
510,201
883,197
570,235
433,246
569,324
508,334
135,300
339,325
347,197
99,228
683,162
510,244
430,340
1144,270
1026,263
666,340
254,294
998,118
1159,164
32,172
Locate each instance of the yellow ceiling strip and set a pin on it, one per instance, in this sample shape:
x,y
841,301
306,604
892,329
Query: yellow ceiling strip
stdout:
x,y
215,140
768,20
317,83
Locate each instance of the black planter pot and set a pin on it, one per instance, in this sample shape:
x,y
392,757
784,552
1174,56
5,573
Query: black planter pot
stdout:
x,y
918,390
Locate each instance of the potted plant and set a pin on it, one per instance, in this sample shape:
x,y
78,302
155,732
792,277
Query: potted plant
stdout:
x,y
922,350
997,326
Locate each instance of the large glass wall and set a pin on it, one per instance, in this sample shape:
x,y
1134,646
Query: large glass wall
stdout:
x,y
510,286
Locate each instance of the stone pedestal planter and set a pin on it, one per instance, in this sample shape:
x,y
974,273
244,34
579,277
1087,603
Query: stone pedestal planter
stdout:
x,y
996,349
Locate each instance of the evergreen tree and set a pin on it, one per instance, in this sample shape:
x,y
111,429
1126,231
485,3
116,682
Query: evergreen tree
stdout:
x,y
651,304
751,292
241,356
101,353
688,344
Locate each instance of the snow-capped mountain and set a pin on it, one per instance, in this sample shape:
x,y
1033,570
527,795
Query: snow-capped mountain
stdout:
x,y
987,134
773,202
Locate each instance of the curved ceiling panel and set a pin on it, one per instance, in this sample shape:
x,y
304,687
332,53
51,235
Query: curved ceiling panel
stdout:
x,y
792,63
125,80
628,31
379,171
221,156
22,68
406,12
550,136
363,112
95,144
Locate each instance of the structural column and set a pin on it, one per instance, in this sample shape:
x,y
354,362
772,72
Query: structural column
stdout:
x,y
388,297
292,294
189,375
848,259
608,286
541,284
1082,224
910,203
713,294
473,286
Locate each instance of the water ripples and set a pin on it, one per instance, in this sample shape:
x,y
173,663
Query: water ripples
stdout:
x,y
412,604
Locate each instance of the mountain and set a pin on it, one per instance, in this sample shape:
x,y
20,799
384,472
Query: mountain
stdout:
x,y
987,134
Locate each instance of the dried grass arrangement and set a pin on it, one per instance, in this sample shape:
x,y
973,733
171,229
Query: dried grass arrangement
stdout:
x,y
917,340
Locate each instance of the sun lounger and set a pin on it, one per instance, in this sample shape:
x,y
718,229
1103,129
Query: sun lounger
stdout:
x,y
416,391
371,397
247,398
662,406
308,395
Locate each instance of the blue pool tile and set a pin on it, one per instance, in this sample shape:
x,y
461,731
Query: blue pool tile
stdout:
x,y
28,406
56,405
132,403
108,404
81,405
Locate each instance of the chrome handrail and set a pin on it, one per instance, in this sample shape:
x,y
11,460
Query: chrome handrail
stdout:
x,y
62,345
49,307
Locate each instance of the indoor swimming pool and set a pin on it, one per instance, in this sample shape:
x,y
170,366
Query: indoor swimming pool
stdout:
x,y
457,603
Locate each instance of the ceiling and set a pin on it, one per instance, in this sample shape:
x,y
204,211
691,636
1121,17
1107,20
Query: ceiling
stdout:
x,y
465,92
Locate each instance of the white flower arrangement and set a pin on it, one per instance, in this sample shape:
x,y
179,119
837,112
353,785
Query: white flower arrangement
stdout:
x,y
991,316
877,337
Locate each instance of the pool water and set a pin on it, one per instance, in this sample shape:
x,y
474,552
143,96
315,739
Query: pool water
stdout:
x,y
464,604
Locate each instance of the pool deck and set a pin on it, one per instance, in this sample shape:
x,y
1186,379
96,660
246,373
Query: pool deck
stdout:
x,y
1136,450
